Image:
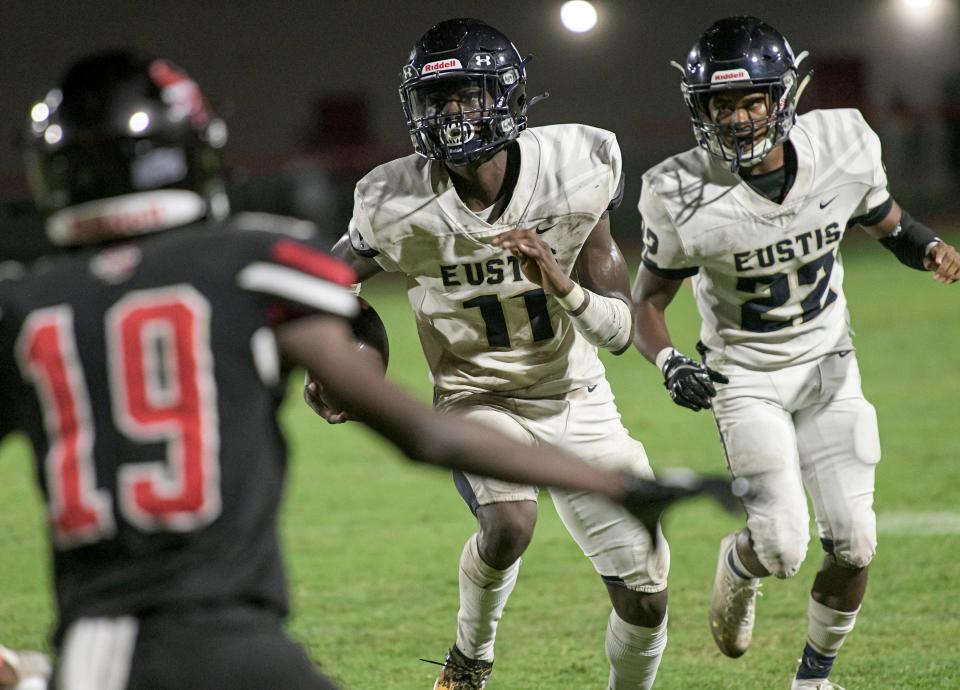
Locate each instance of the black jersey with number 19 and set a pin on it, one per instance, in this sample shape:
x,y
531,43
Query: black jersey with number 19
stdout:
x,y
147,379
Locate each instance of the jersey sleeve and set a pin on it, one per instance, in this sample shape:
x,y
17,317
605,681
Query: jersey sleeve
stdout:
x,y
877,193
299,279
611,154
363,238
663,252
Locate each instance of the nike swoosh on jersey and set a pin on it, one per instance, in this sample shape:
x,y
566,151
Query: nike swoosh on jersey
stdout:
x,y
540,230
592,388
824,204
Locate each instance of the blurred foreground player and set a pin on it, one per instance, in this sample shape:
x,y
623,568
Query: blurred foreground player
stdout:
x,y
146,366
755,215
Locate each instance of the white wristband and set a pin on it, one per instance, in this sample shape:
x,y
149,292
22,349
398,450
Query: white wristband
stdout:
x,y
664,354
573,300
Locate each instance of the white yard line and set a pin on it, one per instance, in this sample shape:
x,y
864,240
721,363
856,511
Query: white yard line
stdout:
x,y
908,523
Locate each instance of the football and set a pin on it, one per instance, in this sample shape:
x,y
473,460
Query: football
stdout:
x,y
370,332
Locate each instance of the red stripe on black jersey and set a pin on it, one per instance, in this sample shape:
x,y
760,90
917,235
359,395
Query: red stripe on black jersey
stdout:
x,y
313,262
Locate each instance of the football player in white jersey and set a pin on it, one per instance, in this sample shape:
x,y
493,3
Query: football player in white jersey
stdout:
x,y
755,216
488,221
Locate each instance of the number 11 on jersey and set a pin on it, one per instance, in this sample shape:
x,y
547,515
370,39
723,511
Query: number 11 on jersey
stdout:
x,y
495,321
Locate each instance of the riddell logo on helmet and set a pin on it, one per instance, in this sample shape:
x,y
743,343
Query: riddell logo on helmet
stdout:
x,y
116,224
730,75
441,65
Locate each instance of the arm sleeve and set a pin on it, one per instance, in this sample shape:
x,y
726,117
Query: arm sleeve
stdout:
x,y
663,252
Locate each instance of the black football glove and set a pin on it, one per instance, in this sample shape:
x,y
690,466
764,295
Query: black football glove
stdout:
x,y
647,499
690,383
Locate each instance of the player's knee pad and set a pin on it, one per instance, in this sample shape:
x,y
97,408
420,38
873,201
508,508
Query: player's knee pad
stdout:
x,y
780,542
782,555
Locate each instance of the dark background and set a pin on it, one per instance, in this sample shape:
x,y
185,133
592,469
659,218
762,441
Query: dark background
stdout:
x,y
309,88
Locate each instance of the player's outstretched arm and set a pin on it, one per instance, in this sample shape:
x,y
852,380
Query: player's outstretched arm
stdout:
x,y
414,428
365,267
371,349
915,245
598,306
449,441
690,383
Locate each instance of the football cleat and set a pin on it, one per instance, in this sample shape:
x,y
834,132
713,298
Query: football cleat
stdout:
x,y
813,684
462,673
732,605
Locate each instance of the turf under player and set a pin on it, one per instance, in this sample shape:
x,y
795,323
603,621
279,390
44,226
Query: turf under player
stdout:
x,y
146,367
515,281
755,215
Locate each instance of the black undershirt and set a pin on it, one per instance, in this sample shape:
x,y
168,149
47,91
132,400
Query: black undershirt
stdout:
x,y
776,184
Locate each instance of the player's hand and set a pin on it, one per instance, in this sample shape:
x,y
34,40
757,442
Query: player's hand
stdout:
x,y
647,499
537,261
313,395
690,383
944,260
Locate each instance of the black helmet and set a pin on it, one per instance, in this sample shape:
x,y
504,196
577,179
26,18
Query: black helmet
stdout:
x,y
459,56
126,144
742,53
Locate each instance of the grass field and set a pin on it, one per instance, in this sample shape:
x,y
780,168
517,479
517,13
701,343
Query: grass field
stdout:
x,y
373,543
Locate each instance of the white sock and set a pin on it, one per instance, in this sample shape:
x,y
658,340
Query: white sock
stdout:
x,y
483,595
827,628
634,653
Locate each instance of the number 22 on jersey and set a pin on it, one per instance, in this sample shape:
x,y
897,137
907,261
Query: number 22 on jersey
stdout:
x,y
162,389
815,274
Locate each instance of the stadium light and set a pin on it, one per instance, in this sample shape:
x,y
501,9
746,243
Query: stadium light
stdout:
x,y
139,121
578,16
923,15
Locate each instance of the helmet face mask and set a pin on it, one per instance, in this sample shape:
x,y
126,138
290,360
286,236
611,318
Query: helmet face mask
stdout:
x,y
463,92
122,126
742,55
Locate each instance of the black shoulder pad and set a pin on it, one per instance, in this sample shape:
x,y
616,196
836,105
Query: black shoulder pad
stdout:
x,y
359,245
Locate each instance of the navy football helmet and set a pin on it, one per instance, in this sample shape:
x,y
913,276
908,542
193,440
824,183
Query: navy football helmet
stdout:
x,y
744,54
119,129
469,65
